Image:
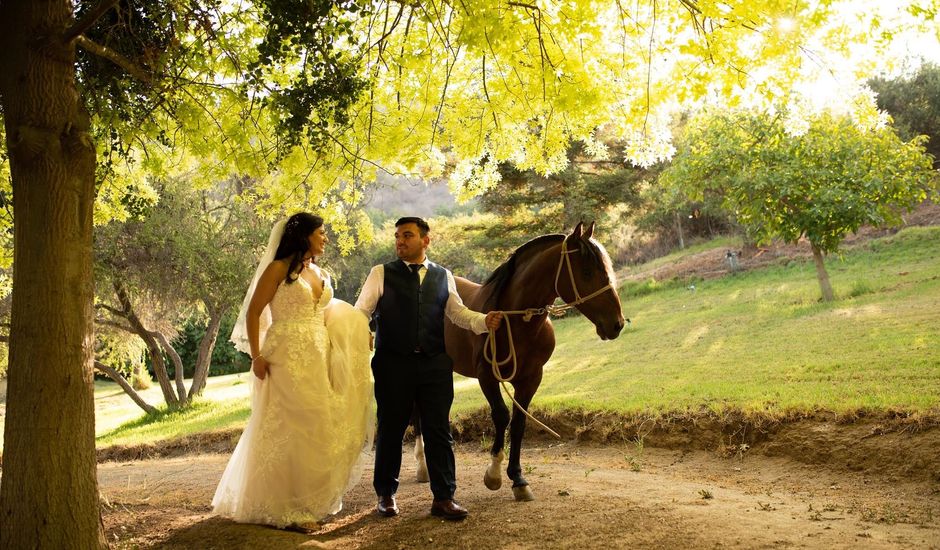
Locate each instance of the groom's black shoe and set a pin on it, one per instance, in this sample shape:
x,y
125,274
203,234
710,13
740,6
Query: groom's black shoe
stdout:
x,y
387,506
448,509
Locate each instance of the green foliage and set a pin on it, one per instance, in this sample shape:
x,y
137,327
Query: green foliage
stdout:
x,y
470,245
119,349
473,246
143,34
6,216
349,272
191,246
465,88
304,69
312,97
663,207
581,192
914,104
183,261
821,185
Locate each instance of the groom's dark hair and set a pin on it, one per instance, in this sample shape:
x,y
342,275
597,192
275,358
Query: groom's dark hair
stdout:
x,y
423,226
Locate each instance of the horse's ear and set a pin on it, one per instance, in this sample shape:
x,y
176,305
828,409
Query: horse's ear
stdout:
x,y
576,234
589,233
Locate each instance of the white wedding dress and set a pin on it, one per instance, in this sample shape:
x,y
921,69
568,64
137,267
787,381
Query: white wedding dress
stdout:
x,y
310,430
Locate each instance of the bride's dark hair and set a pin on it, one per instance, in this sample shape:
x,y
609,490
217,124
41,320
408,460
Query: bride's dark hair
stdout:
x,y
294,242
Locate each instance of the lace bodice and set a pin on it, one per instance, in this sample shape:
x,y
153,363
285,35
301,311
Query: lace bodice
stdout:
x,y
295,301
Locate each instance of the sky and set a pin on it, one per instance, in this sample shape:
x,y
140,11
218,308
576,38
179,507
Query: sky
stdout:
x,y
836,80
835,74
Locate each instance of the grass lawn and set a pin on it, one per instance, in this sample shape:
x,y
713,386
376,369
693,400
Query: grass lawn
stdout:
x,y
118,421
758,342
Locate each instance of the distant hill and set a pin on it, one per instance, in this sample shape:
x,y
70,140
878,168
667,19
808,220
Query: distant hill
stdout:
x,y
395,197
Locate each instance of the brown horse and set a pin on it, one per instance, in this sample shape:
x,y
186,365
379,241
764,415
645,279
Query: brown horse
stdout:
x,y
572,267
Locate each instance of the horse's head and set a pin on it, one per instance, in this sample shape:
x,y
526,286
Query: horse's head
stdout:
x,y
587,280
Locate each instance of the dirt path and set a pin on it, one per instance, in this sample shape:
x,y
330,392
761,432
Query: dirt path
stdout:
x,y
587,497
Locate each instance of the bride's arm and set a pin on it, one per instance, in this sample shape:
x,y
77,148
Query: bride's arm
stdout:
x,y
272,277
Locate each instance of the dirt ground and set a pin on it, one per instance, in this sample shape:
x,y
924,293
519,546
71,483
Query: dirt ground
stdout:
x,y
587,496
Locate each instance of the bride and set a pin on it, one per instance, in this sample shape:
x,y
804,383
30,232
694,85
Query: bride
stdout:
x,y
311,417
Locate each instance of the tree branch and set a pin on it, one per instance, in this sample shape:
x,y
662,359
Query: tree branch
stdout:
x,y
85,23
486,93
112,310
116,376
115,324
356,156
177,364
114,57
649,69
153,347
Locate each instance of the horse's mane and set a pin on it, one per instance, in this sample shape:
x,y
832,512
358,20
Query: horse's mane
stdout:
x,y
496,283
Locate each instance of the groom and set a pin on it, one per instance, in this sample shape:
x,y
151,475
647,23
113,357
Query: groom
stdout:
x,y
408,299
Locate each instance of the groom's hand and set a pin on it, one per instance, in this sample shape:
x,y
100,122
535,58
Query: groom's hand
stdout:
x,y
494,319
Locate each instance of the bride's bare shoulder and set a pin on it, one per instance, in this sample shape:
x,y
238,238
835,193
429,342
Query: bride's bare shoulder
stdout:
x,y
278,268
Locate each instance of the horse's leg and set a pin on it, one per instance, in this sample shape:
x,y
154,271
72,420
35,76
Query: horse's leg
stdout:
x,y
500,415
523,394
421,465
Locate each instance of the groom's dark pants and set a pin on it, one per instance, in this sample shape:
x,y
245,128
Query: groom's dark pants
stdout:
x,y
403,382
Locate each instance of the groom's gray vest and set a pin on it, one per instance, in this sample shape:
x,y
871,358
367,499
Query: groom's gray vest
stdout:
x,y
410,317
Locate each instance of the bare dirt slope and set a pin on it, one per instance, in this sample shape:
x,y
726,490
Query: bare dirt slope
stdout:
x,y
713,263
620,496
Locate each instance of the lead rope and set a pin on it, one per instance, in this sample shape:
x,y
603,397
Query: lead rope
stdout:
x,y
489,347
489,354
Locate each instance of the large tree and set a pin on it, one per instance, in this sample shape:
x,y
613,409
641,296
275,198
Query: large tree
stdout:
x,y
145,71
820,184
97,88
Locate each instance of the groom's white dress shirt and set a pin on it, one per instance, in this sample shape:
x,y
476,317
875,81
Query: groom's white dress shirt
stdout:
x,y
456,311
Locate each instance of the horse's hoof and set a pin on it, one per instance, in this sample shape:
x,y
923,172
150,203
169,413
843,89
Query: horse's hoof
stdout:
x,y
421,476
492,477
492,483
523,493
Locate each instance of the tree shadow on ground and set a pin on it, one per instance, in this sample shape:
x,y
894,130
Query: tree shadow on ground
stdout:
x,y
220,533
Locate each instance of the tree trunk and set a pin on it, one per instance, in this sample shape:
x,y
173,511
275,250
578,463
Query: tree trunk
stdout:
x,y
204,359
177,367
153,347
49,489
822,275
116,376
159,367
